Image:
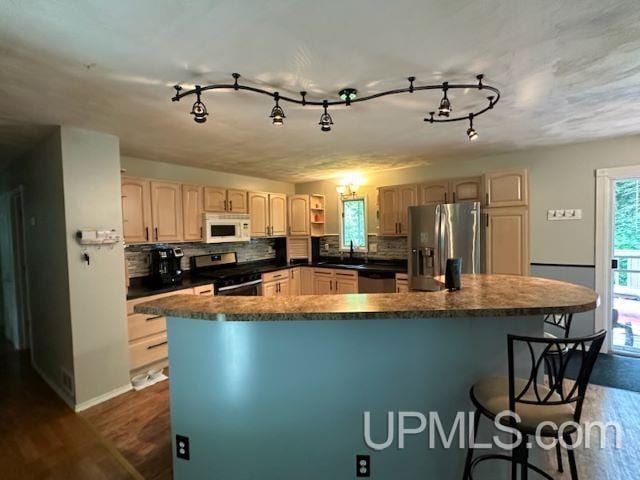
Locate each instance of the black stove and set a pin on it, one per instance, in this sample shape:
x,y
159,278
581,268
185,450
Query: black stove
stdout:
x,y
227,276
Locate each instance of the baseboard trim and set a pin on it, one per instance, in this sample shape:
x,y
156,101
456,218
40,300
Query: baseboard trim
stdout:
x,y
103,398
65,398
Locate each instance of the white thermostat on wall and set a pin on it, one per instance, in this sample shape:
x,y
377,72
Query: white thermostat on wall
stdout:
x,y
98,237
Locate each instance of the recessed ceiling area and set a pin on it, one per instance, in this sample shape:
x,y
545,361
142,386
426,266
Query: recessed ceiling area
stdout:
x,y
568,72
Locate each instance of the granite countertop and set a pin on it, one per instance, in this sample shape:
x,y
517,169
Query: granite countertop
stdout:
x,y
480,296
142,287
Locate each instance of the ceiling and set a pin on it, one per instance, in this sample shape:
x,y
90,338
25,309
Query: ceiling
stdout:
x,y
568,71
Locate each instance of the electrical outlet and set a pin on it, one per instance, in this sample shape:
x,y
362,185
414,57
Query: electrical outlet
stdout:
x,y
182,447
363,466
326,247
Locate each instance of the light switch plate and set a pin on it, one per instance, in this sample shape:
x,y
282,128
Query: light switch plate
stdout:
x,y
565,214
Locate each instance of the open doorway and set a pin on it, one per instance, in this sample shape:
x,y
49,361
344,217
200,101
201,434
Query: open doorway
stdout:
x,y
618,258
16,324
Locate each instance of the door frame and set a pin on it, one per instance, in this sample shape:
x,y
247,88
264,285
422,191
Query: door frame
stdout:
x,y
605,177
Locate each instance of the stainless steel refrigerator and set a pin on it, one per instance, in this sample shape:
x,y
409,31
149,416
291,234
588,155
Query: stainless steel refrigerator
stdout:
x,y
438,232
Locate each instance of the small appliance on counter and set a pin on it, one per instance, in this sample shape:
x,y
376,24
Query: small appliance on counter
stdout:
x,y
165,265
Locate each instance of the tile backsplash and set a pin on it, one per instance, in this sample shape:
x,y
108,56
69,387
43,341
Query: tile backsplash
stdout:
x,y
137,256
388,248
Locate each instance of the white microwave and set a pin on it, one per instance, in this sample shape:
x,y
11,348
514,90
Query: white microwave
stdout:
x,y
227,227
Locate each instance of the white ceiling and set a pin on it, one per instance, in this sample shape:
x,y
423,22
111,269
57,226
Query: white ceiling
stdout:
x,y
568,71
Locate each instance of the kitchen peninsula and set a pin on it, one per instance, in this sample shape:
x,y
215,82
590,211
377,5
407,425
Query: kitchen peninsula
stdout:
x,y
285,380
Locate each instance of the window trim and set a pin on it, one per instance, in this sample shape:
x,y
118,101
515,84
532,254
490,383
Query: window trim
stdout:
x,y
342,248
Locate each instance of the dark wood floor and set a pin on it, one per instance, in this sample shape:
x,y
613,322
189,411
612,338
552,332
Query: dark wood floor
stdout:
x,y
129,436
40,437
138,425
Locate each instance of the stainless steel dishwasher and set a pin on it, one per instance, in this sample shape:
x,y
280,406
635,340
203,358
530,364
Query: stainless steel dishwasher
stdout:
x,y
376,282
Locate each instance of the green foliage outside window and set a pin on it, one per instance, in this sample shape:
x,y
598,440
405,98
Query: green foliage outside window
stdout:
x,y
353,223
627,222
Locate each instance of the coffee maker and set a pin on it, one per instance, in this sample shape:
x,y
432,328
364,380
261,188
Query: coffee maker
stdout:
x,y
165,265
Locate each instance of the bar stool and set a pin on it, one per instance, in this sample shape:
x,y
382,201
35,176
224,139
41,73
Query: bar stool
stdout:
x,y
560,322
534,401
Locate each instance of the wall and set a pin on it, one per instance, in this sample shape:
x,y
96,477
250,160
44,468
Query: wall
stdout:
x,y
91,177
40,172
137,256
137,167
561,177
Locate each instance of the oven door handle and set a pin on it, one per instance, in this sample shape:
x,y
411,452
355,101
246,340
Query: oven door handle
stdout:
x,y
234,287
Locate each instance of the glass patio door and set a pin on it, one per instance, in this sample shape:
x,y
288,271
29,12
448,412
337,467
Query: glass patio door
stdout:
x,y
626,267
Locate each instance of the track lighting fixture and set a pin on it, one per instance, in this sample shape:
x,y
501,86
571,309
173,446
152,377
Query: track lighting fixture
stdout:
x,y
445,105
347,97
277,113
325,119
471,132
198,110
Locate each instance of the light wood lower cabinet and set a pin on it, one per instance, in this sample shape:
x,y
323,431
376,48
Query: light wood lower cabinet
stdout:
x,y
294,281
148,335
507,240
329,281
275,284
306,281
402,283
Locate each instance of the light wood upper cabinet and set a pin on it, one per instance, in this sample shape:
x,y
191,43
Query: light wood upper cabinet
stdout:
x,y
220,200
166,211
278,214
215,199
192,212
507,240
136,210
466,189
507,189
388,210
299,216
394,203
259,211
434,192
408,197
237,201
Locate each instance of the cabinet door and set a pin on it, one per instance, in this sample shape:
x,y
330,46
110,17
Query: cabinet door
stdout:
x,y
408,197
323,282
466,189
507,240
278,214
237,201
402,287
299,215
388,210
283,287
166,211
295,283
270,289
192,212
344,285
259,212
306,281
215,199
507,189
434,192
136,210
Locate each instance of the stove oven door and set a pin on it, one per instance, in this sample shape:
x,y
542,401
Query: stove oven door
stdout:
x,y
248,289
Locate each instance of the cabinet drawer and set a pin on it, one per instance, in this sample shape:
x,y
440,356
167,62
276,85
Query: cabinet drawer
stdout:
x,y
402,277
272,276
346,274
133,303
142,325
326,272
203,290
148,350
